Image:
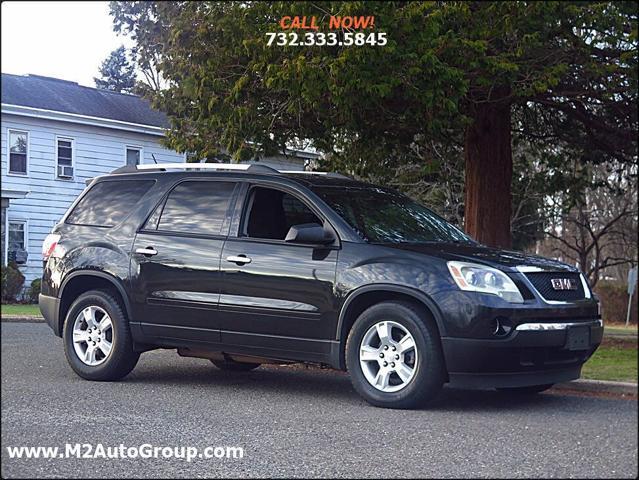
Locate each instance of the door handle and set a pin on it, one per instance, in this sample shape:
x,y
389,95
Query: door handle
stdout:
x,y
148,251
239,259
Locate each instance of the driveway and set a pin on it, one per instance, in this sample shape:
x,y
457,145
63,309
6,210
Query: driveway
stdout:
x,y
292,422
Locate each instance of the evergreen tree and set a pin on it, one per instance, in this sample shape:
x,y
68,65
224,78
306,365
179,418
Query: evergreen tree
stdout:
x,y
550,71
116,72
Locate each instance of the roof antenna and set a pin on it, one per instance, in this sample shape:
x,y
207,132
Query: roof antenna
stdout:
x,y
153,157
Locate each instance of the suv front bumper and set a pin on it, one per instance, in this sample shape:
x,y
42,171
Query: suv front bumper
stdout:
x,y
533,354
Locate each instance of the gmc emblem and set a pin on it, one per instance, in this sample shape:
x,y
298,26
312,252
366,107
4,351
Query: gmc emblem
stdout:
x,y
563,284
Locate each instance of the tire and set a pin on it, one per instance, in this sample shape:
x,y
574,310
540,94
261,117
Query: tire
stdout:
x,y
120,359
424,382
233,366
530,390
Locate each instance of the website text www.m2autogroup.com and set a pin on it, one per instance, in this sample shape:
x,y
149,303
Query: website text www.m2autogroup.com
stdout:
x,y
144,451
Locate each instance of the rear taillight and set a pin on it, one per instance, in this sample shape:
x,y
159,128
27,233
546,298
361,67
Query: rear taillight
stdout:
x,y
49,245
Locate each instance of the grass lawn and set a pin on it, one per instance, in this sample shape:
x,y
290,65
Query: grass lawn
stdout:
x,y
614,361
19,309
620,329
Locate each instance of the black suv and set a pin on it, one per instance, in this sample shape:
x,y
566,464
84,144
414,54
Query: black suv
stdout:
x,y
245,265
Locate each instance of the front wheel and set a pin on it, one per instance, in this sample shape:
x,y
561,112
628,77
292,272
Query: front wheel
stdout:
x,y
97,339
394,356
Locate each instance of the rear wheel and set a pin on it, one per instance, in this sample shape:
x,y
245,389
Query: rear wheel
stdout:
x,y
97,339
234,366
394,356
529,390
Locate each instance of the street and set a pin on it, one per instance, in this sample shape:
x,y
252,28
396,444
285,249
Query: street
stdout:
x,y
293,422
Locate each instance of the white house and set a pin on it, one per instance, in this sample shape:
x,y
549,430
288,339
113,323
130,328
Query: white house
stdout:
x,y
57,134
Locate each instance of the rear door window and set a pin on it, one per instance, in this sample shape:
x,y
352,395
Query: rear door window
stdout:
x,y
194,207
106,204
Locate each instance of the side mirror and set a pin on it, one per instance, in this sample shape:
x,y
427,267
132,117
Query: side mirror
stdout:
x,y
309,233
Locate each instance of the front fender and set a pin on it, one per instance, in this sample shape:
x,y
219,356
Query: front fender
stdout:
x,y
418,295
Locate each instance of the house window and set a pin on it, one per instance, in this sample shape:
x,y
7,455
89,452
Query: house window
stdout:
x,y
18,152
17,241
65,157
133,155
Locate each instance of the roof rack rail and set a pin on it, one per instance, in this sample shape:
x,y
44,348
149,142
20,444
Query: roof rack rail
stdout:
x,y
162,167
325,174
245,167
125,169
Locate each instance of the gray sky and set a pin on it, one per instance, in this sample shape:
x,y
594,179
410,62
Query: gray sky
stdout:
x,y
67,40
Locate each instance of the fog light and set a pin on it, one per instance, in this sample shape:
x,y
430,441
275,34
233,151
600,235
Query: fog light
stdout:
x,y
501,327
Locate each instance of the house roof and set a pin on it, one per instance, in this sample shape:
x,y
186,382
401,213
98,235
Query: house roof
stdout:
x,y
46,93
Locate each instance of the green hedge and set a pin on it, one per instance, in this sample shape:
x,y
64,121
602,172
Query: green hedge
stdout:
x,y
34,291
12,281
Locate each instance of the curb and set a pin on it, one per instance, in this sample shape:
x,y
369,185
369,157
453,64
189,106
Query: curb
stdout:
x,y
598,386
22,319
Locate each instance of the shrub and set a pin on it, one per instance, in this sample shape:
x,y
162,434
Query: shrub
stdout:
x,y
34,291
12,282
614,302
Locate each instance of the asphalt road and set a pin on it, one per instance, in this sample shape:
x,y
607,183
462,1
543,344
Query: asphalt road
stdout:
x,y
293,422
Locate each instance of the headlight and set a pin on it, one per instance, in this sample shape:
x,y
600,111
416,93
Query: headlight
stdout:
x,y
478,278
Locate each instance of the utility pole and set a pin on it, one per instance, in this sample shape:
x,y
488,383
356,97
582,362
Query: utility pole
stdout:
x,y
632,283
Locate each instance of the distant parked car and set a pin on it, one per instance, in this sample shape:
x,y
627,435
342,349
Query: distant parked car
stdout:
x,y
245,265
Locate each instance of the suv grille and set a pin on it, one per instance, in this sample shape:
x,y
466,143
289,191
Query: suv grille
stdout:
x,y
543,282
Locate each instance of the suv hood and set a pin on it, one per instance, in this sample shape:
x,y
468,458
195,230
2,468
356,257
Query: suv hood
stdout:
x,y
475,253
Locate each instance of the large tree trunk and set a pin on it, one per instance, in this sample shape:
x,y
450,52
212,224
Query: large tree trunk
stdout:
x,y
489,169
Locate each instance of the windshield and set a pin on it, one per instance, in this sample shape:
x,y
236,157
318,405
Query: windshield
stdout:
x,y
383,216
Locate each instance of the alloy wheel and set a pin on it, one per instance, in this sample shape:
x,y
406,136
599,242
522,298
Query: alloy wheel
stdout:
x,y
388,356
93,335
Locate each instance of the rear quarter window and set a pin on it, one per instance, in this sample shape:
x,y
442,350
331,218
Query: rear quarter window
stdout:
x,y
106,204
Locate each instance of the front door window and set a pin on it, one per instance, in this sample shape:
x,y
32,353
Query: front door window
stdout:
x,y
272,213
